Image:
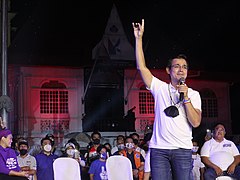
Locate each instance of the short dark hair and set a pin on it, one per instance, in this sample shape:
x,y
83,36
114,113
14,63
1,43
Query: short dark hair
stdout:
x,y
134,134
179,56
128,137
51,136
215,125
218,123
22,142
96,132
47,138
100,147
105,144
120,136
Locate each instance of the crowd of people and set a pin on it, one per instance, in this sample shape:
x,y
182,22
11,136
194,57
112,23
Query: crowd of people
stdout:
x,y
217,156
19,161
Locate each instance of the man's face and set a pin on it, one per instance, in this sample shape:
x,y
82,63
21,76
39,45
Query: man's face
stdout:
x,y
96,139
96,136
219,132
7,140
120,140
103,150
135,137
129,144
45,142
47,146
23,146
178,70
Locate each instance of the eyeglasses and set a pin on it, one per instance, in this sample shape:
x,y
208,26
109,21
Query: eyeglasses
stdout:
x,y
177,66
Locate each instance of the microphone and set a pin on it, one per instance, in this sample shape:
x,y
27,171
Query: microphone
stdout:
x,y
134,107
181,82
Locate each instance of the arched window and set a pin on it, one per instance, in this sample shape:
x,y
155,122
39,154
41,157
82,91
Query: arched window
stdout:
x,y
146,101
53,98
209,103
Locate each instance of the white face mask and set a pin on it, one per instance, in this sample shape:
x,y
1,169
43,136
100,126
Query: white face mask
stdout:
x,y
120,146
47,148
70,152
129,145
195,149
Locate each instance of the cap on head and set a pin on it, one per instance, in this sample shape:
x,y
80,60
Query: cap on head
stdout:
x,y
47,138
22,142
68,145
51,137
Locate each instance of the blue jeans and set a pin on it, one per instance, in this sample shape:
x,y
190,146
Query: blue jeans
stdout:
x,y
168,164
210,174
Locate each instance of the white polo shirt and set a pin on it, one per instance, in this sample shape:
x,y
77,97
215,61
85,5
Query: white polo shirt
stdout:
x,y
220,153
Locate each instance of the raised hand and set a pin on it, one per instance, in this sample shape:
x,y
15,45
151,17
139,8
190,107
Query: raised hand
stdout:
x,y
138,29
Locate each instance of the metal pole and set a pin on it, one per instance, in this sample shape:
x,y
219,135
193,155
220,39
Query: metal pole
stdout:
x,y
4,56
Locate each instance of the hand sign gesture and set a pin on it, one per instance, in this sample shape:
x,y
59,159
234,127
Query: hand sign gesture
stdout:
x,y
138,29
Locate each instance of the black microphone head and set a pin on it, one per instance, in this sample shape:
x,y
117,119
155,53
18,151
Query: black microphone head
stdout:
x,y
182,80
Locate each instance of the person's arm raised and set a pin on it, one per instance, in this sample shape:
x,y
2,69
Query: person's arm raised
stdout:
x,y
140,59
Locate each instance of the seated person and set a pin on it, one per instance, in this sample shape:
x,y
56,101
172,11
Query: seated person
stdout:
x,y
220,156
9,168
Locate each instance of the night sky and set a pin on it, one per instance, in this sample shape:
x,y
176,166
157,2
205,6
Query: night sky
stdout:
x,y
57,32
67,31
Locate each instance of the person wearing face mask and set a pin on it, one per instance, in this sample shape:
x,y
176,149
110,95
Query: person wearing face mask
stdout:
x,y
135,157
220,156
135,137
72,152
55,150
97,170
91,155
26,162
119,144
45,160
198,166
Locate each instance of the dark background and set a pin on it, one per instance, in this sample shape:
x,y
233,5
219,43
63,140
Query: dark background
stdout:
x,y
67,31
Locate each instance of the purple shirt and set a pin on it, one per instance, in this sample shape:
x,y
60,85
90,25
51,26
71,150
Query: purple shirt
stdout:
x,y
8,160
45,166
98,168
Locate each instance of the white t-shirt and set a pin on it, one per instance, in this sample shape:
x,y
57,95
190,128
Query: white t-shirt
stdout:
x,y
147,167
28,161
220,153
197,165
168,132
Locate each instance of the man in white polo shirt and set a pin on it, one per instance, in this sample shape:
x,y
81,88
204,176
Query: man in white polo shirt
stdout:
x,y
220,156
